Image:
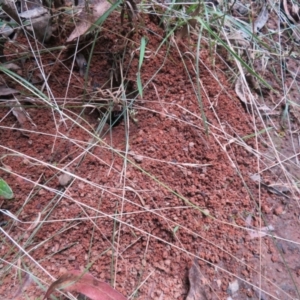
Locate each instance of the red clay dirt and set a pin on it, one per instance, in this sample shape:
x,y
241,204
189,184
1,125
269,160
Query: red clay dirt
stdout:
x,y
137,222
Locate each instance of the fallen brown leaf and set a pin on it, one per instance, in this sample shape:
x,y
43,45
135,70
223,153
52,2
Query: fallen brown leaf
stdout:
x,y
7,91
261,19
87,17
21,114
196,280
86,284
184,32
33,11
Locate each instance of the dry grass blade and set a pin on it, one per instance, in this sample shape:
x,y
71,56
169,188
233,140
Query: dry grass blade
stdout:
x,y
287,11
26,281
131,9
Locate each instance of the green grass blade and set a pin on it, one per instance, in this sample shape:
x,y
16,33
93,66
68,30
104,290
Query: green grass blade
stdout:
x,y
139,84
26,84
142,51
245,65
141,59
249,136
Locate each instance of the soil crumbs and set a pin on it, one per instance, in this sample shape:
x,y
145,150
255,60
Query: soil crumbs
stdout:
x,y
153,195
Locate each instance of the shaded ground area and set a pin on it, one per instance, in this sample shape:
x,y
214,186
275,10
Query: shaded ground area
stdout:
x,y
153,192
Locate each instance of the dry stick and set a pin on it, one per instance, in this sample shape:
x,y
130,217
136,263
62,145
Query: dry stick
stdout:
x,y
139,196
144,258
74,59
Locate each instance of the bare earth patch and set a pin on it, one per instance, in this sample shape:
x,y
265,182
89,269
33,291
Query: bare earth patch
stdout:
x,y
149,195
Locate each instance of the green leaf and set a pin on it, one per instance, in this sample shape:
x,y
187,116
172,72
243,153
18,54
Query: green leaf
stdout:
x,y
175,229
5,190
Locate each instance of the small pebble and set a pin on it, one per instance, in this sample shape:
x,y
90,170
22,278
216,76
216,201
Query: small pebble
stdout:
x,y
42,192
274,258
233,287
62,270
138,158
71,258
64,179
279,210
266,209
167,262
